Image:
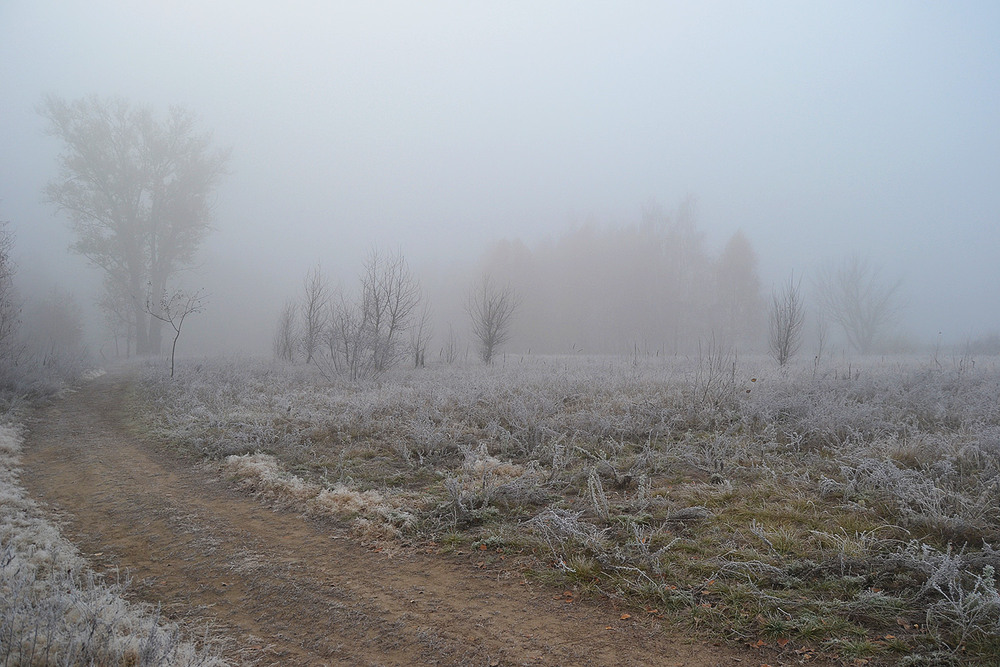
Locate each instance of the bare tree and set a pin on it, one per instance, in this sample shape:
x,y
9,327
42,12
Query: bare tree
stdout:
x,y
491,309
116,304
420,335
856,298
737,291
822,334
389,298
348,339
450,349
367,336
286,332
55,324
173,310
10,308
315,311
786,320
138,191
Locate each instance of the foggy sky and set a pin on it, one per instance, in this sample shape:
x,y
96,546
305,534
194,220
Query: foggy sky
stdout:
x,y
820,129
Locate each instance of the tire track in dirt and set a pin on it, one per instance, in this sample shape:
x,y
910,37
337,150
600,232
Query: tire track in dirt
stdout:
x,y
283,589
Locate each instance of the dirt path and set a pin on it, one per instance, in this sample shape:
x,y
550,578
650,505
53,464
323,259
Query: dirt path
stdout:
x,y
287,590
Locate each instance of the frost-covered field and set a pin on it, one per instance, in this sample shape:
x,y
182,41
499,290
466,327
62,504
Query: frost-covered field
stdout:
x,y
848,509
53,609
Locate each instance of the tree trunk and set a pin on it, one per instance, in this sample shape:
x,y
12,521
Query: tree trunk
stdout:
x,y
155,335
141,329
158,288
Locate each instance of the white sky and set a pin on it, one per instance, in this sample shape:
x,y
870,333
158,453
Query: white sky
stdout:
x,y
820,128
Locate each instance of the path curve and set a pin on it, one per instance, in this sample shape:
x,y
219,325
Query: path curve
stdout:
x,y
279,588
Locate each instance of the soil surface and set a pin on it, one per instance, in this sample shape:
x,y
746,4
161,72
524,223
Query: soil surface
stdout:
x,y
278,588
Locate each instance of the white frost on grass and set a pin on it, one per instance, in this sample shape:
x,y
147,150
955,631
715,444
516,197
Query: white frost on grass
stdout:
x,y
894,448
374,516
53,609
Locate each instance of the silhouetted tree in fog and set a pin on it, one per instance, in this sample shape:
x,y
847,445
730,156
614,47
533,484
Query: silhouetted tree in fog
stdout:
x,y
855,297
491,309
116,304
173,309
138,191
56,326
366,336
420,334
785,322
286,333
450,349
315,311
390,295
10,308
349,339
737,292
614,286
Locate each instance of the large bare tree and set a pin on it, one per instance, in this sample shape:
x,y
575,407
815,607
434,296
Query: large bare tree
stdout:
x,y
855,296
138,191
421,332
491,309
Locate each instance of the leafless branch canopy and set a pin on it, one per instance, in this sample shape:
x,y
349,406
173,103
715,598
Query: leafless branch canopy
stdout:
x,y
174,309
286,333
856,298
367,335
786,320
491,309
315,311
137,189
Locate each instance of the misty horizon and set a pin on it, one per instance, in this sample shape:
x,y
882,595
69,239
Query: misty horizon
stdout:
x,y
443,131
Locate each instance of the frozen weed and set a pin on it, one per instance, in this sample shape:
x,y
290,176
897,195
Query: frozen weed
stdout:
x,y
484,482
374,515
559,528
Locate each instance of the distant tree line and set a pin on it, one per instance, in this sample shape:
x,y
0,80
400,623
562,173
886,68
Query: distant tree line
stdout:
x,y
651,284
